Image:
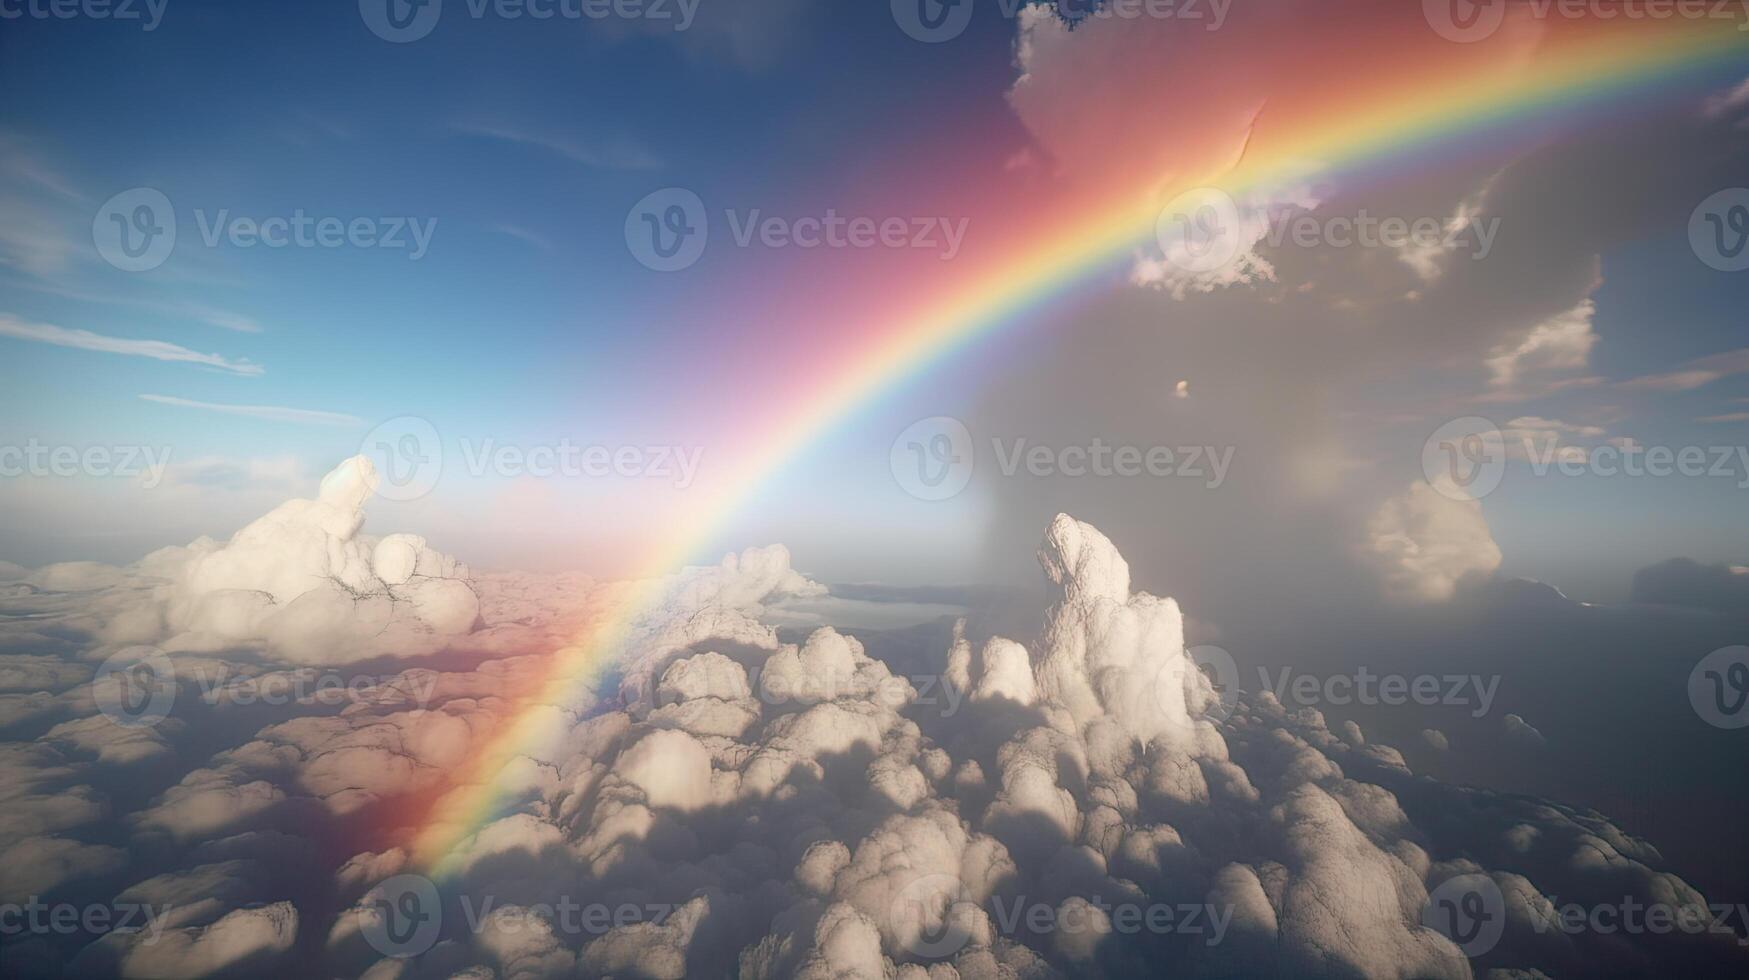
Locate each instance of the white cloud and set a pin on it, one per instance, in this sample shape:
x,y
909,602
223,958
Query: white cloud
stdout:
x,y
159,350
1536,439
35,865
1425,541
1232,232
610,154
1728,102
1696,373
1561,343
1519,730
272,413
1428,259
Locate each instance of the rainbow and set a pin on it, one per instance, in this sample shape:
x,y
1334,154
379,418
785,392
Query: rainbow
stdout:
x,y
1453,91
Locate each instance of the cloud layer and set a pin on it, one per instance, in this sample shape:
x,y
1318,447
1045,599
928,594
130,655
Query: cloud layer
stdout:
x,y
1085,802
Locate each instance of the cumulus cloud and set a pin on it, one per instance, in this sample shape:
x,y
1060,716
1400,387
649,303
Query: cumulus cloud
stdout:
x,y
302,581
1211,239
1521,731
1425,541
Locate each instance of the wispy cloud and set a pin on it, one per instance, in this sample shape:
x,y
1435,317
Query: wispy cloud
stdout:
x,y
273,413
612,153
1727,102
225,320
158,350
524,235
1694,374
35,199
211,316
1727,417
20,165
1560,343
